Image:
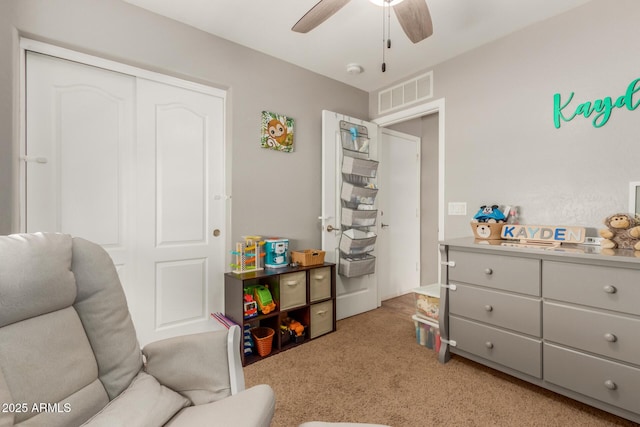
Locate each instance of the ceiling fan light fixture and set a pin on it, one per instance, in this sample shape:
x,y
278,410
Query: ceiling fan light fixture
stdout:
x,y
354,69
386,2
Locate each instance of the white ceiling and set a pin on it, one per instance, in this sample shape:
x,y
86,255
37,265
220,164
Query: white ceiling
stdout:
x,y
354,33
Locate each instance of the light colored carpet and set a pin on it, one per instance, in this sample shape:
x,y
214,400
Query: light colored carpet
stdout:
x,y
372,370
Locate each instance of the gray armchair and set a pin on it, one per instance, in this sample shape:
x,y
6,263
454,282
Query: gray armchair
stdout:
x,y
69,355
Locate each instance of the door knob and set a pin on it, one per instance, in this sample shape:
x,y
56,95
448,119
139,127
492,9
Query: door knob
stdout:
x,y
383,225
330,228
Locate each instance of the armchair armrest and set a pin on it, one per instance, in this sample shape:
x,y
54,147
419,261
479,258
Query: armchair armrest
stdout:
x,y
203,367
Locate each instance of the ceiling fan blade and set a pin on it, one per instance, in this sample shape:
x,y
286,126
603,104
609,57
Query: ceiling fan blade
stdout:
x,y
319,13
415,19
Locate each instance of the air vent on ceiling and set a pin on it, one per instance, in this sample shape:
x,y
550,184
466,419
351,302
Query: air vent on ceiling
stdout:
x,y
411,91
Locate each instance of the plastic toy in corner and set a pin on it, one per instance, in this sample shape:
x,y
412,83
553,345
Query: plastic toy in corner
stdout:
x,y
250,305
491,214
262,295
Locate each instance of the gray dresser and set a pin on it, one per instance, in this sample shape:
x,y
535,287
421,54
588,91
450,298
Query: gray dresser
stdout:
x,y
566,319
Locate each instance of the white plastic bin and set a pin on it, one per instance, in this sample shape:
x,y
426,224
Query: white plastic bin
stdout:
x,y
428,301
427,333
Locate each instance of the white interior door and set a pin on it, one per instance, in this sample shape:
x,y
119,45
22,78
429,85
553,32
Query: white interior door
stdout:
x,y
138,167
181,210
79,152
354,295
399,231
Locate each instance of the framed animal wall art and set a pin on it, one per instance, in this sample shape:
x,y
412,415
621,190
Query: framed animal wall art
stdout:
x,y
277,132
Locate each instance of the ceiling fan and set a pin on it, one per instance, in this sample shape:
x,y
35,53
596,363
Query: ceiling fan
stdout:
x,y
413,15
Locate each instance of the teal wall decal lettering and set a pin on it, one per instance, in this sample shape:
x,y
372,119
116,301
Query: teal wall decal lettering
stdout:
x,y
601,107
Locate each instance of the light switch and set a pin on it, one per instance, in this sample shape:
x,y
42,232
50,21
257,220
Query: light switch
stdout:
x,y
457,208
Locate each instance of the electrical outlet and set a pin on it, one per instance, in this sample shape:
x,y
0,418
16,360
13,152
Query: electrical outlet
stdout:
x,y
592,240
457,208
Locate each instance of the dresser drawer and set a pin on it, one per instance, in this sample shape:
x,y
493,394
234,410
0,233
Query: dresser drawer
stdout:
x,y
320,283
612,288
521,314
506,348
515,274
293,290
608,381
597,332
321,318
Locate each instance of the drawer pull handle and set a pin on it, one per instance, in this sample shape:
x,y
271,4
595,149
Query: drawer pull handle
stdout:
x,y
488,271
292,283
610,385
610,337
488,307
488,344
321,312
319,277
610,289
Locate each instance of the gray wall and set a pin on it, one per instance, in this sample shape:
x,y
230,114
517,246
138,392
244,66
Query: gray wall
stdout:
x,y
273,193
501,143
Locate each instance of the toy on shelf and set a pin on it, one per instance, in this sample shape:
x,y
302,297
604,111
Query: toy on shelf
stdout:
x,y
263,297
248,255
294,326
489,214
623,232
250,305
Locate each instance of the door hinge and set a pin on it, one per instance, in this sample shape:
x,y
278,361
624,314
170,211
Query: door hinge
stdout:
x,y
448,263
453,287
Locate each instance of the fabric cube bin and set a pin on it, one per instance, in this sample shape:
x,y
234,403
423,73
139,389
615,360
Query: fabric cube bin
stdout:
x,y
360,167
359,144
357,242
428,301
354,267
358,218
358,194
427,334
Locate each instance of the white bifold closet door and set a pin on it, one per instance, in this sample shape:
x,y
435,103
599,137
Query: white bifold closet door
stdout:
x,y
136,166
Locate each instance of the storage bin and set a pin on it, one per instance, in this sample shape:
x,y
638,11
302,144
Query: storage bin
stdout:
x,y
321,319
357,242
428,301
293,290
361,167
427,334
263,338
354,267
358,218
487,230
320,284
359,144
308,257
358,194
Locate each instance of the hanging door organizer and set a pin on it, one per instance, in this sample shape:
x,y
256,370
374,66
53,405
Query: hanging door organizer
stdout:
x,y
358,197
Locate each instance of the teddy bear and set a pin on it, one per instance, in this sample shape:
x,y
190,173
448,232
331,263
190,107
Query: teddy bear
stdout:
x,y
623,232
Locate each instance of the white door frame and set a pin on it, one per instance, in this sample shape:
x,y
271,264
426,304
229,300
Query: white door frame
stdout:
x,y
437,106
63,53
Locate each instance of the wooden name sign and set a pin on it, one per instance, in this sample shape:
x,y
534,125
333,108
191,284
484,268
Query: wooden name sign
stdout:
x,y
543,233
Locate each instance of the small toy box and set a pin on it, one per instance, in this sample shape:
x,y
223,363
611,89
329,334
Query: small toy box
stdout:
x,y
276,252
427,334
487,230
428,301
308,257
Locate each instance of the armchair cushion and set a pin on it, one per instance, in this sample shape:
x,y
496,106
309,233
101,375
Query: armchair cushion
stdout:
x,y
195,366
253,407
145,403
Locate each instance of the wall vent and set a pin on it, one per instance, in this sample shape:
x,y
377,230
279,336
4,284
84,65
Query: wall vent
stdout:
x,y
411,91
